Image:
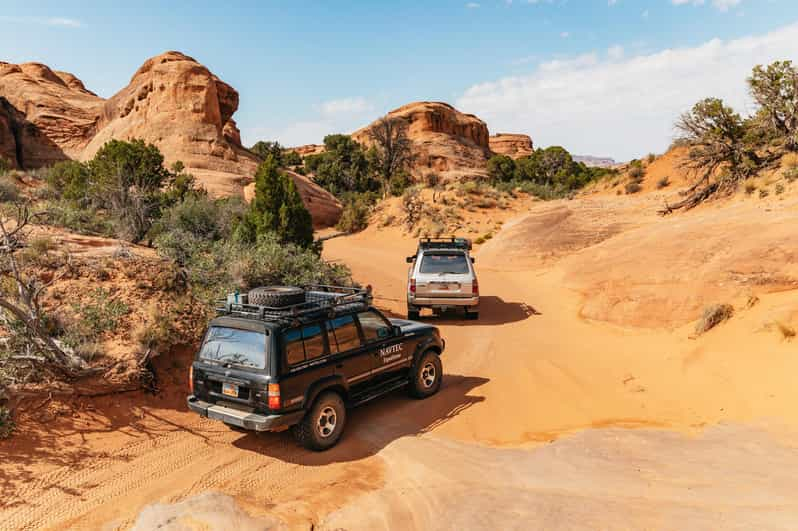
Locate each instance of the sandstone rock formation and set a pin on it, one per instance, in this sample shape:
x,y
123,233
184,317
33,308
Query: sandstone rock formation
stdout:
x,y
177,104
172,101
308,149
50,115
324,208
511,144
444,139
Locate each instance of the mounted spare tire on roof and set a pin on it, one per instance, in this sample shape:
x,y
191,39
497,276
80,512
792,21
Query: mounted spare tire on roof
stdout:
x,y
276,296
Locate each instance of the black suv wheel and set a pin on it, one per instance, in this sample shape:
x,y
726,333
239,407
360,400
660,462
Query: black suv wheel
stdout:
x,y
426,376
323,424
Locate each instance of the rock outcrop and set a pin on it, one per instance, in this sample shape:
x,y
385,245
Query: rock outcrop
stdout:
x,y
172,101
50,115
444,139
511,144
177,104
308,149
324,208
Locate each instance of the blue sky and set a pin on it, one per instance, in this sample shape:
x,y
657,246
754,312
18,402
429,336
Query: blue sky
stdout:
x,y
602,77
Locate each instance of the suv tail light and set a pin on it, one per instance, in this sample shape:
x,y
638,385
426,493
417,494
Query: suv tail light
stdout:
x,y
475,287
274,396
191,379
412,285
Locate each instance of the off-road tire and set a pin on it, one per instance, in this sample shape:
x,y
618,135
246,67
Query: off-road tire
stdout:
x,y
276,296
308,432
421,386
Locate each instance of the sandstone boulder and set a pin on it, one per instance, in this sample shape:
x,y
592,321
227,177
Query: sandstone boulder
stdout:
x,y
444,139
511,144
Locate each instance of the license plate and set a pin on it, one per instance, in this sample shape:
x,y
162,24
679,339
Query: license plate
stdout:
x,y
229,389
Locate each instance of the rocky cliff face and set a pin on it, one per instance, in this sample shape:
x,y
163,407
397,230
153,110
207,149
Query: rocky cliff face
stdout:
x,y
445,140
511,144
177,104
172,101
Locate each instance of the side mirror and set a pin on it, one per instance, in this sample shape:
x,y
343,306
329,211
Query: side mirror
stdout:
x,y
410,259
473,259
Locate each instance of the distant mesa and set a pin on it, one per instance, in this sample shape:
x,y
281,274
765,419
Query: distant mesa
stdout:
x,y
445,140
511,144
596,162
172,101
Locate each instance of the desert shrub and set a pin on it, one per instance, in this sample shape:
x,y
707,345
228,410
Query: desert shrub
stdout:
x,y
88,220
763,193
432,179
714,315
102,313
264,149
637,172
412,205
292,158
664,182
791,174
399,182
482,239
355,216
69,180
342,167
8,190
750,188
157,332
199,216
632,187
501,168
779,189
277,208
126,178
787,332
651,157
4,166
180,185
39,251
388,220
7,425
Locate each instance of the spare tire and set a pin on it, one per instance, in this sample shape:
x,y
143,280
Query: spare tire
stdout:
x,y
276,296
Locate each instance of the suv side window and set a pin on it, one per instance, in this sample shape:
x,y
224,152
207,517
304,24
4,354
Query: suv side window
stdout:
x,y
374,327
343,334
303,344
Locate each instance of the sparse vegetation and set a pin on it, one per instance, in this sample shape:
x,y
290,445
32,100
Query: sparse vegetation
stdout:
x,y
714,315
342,167
413,206
663,183
651,157
750,188
357,209
391,154
632,187
482,239
8,190
7,425
4,166
763,193
787,332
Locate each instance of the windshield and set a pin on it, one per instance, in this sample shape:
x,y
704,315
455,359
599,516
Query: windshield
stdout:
x,y
441,263
238,347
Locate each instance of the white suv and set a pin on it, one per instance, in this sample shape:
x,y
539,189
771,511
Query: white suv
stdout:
x,y
442,276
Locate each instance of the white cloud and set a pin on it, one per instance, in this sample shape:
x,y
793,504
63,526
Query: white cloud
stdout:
x,y
333,116
721,5
565,34
472,5
44,21
345,106
623,107
615,53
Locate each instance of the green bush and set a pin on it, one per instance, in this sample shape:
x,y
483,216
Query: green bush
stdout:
x,y
69,180
291,158
636,171
501,168
100,314
264,149
399,182
126,178
633,187
343,167
84,220
355,216
277,208
8,190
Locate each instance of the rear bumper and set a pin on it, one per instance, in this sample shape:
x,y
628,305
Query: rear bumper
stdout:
x,y
243,419
433,302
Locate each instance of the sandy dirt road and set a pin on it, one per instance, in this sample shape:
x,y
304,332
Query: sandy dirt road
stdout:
x,y
531,430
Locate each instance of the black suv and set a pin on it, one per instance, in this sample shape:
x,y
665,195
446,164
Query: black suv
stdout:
x,y
284,356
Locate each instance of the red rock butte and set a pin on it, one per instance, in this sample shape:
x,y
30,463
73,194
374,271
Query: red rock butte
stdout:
x,y
172,101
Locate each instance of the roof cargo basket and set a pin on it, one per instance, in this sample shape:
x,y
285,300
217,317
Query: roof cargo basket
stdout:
x,y
318,299
445,243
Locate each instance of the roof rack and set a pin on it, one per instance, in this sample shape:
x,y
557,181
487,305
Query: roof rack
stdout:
x,y
318,299
445,243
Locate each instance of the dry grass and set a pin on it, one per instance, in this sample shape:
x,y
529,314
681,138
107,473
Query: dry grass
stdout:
x,y
787,332
713,316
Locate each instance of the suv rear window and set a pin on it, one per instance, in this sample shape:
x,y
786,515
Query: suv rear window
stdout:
x,y
438,263
238,347
303,344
